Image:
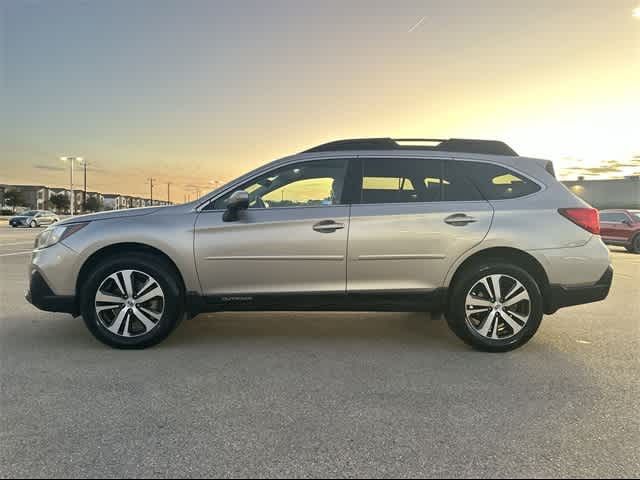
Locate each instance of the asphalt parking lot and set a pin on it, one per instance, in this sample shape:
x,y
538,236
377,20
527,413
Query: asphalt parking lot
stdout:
x,y
319,395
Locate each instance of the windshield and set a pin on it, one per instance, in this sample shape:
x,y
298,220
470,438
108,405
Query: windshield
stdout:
x,y
635,214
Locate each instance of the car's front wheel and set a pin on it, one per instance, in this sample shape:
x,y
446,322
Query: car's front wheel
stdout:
x,y
132,301
495,307
33,224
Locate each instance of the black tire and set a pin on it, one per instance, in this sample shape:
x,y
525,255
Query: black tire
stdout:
x,y
457,318
33,224
634,247
166,277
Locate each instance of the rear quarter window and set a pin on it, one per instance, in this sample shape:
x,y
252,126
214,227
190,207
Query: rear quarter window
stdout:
x,y
496,182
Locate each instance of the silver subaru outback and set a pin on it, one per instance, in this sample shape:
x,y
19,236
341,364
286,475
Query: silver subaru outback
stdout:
x,y
462,227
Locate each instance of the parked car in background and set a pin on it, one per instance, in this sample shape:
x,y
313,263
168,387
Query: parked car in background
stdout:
x,y
34,218
621,228
464,227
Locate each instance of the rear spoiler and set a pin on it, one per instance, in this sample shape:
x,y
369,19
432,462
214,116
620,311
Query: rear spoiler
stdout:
x,y
549,168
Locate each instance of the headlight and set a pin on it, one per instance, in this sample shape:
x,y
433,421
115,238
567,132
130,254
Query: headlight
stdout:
x,y
55,234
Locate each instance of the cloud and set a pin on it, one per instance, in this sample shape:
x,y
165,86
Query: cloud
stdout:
x,y
91,168
52,168
606,167
192,186
634,162
601,170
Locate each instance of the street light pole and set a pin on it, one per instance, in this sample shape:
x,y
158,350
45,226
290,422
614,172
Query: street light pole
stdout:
x,y
151,188
84,195
71,160
72,199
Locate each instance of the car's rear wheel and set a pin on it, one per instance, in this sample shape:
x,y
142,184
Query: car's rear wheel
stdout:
x,y
495,307
634,247
133,301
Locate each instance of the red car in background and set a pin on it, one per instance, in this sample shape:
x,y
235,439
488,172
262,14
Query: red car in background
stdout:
x,y
622,228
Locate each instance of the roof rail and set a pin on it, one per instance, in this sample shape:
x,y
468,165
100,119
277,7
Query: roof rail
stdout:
x,y
462,145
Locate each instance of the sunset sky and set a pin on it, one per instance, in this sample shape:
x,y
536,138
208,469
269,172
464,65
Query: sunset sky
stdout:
x,y
197,92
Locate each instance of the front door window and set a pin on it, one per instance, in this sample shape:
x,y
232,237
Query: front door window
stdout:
x,y
305,184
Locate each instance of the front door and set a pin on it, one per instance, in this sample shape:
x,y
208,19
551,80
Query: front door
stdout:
x,y
291,240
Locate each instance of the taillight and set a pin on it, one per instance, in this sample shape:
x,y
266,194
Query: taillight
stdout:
x,y
587,218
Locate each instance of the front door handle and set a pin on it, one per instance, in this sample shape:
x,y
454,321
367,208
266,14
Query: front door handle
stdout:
x,y
459,219
327,226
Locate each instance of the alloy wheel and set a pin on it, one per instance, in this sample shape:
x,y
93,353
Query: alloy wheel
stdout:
x,y
497,307
129,303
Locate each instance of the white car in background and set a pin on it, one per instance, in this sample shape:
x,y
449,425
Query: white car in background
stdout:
x,y
34,218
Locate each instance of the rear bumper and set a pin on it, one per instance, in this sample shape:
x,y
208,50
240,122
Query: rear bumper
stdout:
x,y
41,296
561,296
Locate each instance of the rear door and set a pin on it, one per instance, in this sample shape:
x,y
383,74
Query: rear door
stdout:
x,y
411,221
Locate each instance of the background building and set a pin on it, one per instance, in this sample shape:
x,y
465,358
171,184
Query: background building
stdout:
x,y
113,201
33,197
611,193
38,197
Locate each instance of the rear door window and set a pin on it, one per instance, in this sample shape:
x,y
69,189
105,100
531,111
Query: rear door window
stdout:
x,y
457,186
400,180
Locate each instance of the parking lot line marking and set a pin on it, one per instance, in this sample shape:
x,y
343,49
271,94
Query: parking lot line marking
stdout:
x,y
15,253
16,243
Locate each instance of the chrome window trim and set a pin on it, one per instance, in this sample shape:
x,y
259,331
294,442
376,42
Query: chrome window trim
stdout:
x,y
304,158
220,210
262,171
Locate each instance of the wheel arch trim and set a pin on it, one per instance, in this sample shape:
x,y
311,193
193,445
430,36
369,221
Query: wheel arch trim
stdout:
x,y
120,249
513,255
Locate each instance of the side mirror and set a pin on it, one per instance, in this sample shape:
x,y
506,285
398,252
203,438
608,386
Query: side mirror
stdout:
x,y
627,223
237,202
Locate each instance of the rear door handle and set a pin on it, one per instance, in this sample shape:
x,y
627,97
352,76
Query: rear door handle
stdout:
x,y
327,226
459,219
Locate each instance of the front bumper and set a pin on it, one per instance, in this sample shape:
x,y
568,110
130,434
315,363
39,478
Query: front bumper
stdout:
x,y
562,296
52,279
41,296
17,223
